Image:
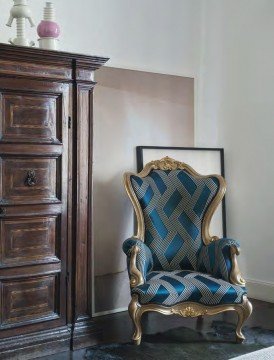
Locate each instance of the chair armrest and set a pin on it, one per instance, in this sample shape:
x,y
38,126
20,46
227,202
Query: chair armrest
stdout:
x,y
139,260
219,258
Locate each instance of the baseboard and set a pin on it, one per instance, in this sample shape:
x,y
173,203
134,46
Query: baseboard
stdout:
x,y
36,344
109,312
85,333
260,290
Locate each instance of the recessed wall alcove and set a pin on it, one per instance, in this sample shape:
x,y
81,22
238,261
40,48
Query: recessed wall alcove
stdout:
x,y
131,108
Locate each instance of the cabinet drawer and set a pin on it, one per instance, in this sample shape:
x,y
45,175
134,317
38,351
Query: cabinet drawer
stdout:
x,y
29,117
26,241
29,300
29,180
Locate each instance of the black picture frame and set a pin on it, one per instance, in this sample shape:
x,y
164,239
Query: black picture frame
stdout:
x,y
140,165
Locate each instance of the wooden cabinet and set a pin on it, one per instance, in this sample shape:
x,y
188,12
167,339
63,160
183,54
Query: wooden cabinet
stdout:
x,y
45,200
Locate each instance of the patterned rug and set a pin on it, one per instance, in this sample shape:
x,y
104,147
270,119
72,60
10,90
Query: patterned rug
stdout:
x,y
187,344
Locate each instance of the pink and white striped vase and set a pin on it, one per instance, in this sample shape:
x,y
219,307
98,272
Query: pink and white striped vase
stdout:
x,y
48,30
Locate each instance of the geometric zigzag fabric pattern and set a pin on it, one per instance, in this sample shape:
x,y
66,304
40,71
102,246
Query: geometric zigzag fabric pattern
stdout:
x,y
215,258
174,204
172,287
176,265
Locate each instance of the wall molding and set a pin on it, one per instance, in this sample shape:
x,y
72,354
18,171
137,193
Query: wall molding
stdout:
x,y
108,312
186,74
260,290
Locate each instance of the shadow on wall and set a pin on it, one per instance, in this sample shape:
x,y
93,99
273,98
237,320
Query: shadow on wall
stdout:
x,y
112,292
131,108
111,286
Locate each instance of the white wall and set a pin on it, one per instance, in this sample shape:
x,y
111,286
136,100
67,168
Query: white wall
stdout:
x,y
236,111
152,35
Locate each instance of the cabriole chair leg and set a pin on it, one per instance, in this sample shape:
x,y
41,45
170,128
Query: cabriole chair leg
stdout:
x,y
135,314
244,310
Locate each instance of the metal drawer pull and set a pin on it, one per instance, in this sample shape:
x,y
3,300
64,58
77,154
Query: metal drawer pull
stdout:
x,y
31,179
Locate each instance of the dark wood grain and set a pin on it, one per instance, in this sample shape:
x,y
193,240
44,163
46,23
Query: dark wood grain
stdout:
x,y
45,199
29,69
19,185
84,163
34,168
29,240
29,117
29,300
82,228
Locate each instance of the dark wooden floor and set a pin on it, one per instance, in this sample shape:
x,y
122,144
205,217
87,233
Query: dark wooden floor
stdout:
x,y
118,327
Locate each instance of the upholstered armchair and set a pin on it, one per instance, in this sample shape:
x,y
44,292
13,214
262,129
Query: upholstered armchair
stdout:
x,y
175,266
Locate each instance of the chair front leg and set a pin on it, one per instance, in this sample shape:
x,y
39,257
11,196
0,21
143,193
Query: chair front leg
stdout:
x,y
244,310
135,313
188,309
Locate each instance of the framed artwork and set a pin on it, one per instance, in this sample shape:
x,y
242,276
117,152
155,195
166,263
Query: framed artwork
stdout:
x,y
205,161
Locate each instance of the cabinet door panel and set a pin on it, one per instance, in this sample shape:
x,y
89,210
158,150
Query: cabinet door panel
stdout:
x,y
29,180
29,117
33,203
29,300
29,240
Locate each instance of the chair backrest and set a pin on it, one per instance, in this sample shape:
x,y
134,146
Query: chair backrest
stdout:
x,y
174,205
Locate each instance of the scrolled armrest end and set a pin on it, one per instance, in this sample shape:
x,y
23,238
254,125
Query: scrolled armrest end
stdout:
x,y
136,277
235,274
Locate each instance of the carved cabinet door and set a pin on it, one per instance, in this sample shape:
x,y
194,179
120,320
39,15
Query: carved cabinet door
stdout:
x,y
33,204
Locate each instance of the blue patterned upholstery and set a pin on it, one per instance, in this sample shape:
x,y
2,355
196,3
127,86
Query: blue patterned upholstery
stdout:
x,y
175,263
172,287
173,204
215,258
144,261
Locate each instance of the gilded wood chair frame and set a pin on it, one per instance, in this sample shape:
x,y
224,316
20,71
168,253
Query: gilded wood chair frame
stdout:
x,y
185,309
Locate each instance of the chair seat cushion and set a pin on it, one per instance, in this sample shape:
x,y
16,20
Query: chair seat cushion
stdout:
x,y
172,287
